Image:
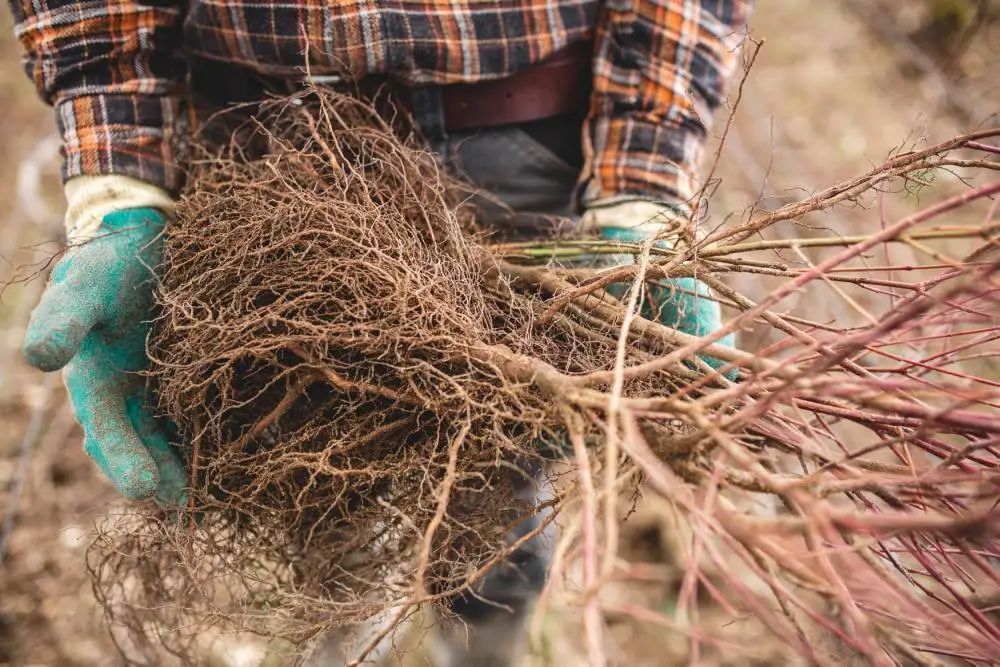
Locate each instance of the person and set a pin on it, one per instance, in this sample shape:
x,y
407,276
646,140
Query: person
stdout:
x,y
556,107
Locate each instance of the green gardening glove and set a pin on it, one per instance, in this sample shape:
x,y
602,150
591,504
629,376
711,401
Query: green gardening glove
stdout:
x,y
684,304
92,322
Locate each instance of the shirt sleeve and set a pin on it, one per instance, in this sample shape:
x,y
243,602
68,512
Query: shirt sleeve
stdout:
x,y
660,71
111,69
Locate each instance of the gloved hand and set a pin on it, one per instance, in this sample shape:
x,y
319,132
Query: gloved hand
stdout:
x,y
684,304
92,321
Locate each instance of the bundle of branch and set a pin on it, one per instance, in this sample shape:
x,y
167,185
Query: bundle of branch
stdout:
x,y
361,378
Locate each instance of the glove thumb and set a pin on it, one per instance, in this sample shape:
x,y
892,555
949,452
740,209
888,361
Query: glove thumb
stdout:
x,y
63,317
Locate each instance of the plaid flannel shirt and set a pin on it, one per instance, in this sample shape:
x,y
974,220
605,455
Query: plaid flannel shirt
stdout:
x,y
115,69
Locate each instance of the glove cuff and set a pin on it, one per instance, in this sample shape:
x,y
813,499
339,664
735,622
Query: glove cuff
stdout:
x,y
90,198
638,218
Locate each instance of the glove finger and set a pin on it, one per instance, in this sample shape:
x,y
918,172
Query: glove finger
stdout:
x,y
172,489
95,392
65,314
686,304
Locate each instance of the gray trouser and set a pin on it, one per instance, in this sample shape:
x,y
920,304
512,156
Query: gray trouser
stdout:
x,y
529,176
533,180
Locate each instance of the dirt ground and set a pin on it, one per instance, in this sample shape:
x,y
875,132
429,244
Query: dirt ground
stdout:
x,y
837,87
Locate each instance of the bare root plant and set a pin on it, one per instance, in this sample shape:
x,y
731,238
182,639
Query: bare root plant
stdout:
x,y
358,374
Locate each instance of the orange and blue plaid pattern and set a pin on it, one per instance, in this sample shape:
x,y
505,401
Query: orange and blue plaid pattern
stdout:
x,y
115,69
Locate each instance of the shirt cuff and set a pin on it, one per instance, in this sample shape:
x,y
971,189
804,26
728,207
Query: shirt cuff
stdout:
x,y
125,135
638,159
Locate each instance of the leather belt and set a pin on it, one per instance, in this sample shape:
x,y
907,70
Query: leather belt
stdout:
x,y
558,85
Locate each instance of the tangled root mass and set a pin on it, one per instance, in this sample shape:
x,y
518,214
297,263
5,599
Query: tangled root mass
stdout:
x,y
332,348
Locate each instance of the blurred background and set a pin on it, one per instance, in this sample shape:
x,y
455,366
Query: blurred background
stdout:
x,y
837,87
